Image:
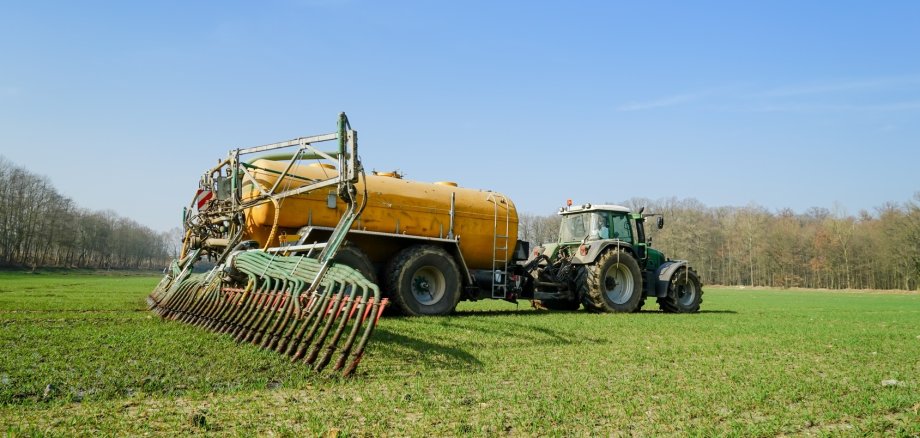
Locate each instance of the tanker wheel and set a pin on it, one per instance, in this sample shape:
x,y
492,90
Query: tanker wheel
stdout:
x,y
613,283
685,293
424,280
353,257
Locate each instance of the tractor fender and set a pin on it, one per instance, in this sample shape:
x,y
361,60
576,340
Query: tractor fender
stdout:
x,y
596,248
664,274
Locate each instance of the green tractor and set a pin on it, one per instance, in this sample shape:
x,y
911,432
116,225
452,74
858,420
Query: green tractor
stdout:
x,y
604,261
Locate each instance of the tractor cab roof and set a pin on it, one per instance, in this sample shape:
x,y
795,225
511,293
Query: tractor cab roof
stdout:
x,y
592,207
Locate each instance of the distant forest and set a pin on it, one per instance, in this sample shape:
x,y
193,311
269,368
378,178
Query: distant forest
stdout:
x,y
39,227
753,246
749,246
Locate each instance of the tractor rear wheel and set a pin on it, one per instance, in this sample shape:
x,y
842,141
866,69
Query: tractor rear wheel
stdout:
x,y
424,280
685,293
612,284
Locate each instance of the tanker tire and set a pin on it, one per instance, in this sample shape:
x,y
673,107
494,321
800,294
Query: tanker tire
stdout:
x,y
423,280
613,283
685,293
353,257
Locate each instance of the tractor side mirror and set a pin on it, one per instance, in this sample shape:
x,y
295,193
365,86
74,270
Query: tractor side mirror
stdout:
x,y
660,222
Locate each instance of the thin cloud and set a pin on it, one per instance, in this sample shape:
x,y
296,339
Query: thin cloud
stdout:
x,y
664,102
883,83
793,98
809,107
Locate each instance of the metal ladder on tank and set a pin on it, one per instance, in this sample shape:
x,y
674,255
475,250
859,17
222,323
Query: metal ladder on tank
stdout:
x,y
500,238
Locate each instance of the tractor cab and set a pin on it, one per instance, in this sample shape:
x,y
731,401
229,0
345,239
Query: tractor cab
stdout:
x,y
588,223
595,222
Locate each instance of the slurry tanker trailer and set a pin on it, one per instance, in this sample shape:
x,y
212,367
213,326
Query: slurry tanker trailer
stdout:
x,y
308,250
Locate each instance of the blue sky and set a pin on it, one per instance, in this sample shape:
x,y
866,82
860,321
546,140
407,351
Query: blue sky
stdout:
x,y
784,104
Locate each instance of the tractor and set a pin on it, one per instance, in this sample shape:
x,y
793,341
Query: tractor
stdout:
x,y
604,261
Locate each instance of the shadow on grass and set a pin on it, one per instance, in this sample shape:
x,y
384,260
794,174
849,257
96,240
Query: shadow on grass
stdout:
x,y
527,312
451,356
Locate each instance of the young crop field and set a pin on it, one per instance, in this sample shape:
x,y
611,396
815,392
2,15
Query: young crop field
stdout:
x,y
80,355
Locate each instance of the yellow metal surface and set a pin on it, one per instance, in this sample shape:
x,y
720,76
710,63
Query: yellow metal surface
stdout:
x,y
394,205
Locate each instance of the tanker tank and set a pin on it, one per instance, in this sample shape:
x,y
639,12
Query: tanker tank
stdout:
x,y
395,206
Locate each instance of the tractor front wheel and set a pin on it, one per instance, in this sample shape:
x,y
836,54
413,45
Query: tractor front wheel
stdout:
x,y
685,293
612,284
424,280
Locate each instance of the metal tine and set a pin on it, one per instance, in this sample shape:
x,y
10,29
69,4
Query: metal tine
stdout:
x,y
300,319
298,316
174,294
254,305
202,298
294,286
316,314
235,307
277,299
270,339
175,303
346,314
356,326
237,327
156,296
215,304
290,315
368,304
164,304
272,312
163,287
258,311
318,299
291,284
238,314
376,311
336,307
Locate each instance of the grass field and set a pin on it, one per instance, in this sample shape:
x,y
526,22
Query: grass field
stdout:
x,y
79,355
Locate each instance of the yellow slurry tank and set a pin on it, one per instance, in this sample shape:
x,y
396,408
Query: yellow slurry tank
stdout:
x,y
395,206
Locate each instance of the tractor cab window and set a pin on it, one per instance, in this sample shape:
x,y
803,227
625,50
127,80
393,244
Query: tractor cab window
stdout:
x,y
600,226
621,227
596,225
573,228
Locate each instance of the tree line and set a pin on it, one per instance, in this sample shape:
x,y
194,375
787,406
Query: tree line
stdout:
x,y
39,227
753,246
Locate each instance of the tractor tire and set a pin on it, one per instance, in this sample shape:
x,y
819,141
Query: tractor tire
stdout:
x,y
685,293
353,257
613,283
424,280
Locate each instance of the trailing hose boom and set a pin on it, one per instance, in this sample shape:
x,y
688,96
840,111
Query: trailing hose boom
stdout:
x,y
290,298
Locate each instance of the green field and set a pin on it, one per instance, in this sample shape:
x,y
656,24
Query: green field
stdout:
x,y
80,355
